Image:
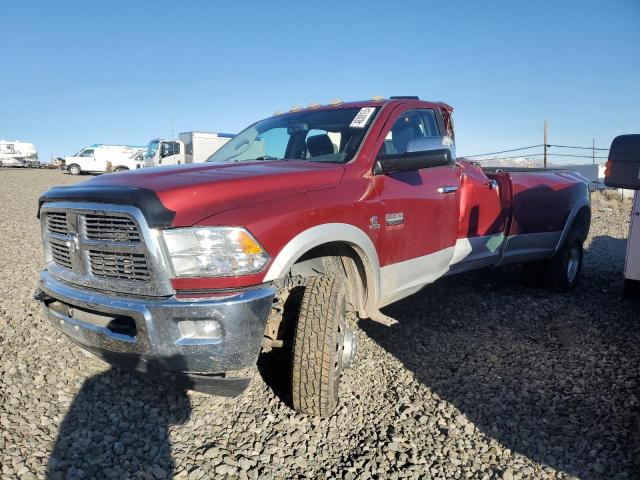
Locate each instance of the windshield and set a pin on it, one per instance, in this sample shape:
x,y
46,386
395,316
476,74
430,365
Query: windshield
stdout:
x,y
152,148
313,135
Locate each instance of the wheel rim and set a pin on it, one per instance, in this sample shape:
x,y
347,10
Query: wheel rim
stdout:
x,y
573,263
349,349
337,365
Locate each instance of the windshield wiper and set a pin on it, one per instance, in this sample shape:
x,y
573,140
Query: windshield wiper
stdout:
x,y
268,157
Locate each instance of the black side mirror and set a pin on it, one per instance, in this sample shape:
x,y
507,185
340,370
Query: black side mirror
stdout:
x,y
421,153
623,165
408,162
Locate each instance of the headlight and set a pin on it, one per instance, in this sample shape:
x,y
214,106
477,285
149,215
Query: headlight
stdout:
x,y
214,252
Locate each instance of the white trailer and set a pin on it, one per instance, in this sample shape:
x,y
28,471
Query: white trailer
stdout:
x,y
590,171
17,154
104,159
632,260
191,147
623,171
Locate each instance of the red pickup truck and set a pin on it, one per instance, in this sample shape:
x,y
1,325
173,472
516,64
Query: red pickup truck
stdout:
x,y
187,273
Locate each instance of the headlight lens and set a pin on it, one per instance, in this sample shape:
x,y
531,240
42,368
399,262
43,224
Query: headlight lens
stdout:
x,y
214,252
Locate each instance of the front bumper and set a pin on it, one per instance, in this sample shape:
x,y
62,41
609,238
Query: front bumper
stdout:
x,y
142,334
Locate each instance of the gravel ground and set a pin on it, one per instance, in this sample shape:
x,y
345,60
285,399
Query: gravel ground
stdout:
x,y
482,378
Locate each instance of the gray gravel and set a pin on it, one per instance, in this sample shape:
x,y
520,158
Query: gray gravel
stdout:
x,y
482,378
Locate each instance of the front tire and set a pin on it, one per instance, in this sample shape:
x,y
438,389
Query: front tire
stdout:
x,y
74,169
318,347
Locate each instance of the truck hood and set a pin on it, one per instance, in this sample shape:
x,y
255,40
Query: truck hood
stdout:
x,y
197,191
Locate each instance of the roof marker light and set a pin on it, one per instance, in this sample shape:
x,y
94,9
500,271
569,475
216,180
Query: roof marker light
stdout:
x,y
377,98
277,112
313,105
335,101
295,108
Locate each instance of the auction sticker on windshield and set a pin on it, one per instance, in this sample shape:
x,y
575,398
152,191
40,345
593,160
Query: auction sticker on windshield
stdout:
x,y
362,118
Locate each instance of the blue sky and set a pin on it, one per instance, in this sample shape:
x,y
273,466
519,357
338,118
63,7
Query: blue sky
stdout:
x,y
78,73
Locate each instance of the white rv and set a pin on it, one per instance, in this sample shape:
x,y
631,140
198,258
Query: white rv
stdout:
x,y
104,159
17,154
191,147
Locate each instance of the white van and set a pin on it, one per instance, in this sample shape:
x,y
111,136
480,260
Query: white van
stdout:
x,y
104,159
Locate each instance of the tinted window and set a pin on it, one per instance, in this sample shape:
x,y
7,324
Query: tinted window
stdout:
x,y
169,148
87,153
411,125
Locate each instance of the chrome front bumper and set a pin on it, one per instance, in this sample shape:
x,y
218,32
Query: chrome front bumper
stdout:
x,y
142,334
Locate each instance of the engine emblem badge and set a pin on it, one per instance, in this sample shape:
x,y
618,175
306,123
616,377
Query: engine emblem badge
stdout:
x,y
395,219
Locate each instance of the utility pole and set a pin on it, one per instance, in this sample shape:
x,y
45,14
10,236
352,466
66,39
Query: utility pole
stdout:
x,y
593,151
545,144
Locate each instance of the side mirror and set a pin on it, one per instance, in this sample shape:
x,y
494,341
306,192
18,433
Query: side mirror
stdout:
x,y
421,153
623,165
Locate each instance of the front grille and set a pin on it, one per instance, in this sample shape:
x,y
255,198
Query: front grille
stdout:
x,y
60,253
104,247
57,223
119,265
111,228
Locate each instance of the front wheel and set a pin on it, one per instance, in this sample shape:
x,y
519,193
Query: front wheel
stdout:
x,y
74,169
319,352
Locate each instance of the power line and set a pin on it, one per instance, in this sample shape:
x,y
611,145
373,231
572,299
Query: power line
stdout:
x,y
535,146
581,148
540,154
577,156
507,158
504,151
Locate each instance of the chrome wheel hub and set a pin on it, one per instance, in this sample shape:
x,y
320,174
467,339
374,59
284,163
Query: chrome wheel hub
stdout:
x,y
349,348
573,263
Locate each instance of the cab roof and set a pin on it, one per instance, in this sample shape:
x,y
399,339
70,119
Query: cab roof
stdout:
x,y
370,103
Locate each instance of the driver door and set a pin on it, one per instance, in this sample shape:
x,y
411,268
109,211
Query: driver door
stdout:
x,y
418,210
170,153
90,161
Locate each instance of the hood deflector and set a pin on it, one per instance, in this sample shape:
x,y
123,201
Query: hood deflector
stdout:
x,y
156,214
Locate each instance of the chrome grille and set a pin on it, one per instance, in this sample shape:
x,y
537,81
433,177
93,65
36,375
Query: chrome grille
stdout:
x,y
119,265
57,223
60,253
111,228
105,247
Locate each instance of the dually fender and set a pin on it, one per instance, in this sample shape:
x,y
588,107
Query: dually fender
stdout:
x,y
330,233
581,202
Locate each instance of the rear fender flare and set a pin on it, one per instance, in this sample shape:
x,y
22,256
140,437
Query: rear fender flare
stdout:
x,y
581,202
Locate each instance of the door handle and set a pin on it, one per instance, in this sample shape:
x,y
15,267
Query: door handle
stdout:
x,y
447,189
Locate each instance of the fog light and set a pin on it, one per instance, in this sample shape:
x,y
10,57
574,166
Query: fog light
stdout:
x,y
199,332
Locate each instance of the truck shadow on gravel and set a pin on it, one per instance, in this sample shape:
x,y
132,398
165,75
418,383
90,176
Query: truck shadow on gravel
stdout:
x,y
551,376
117,427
